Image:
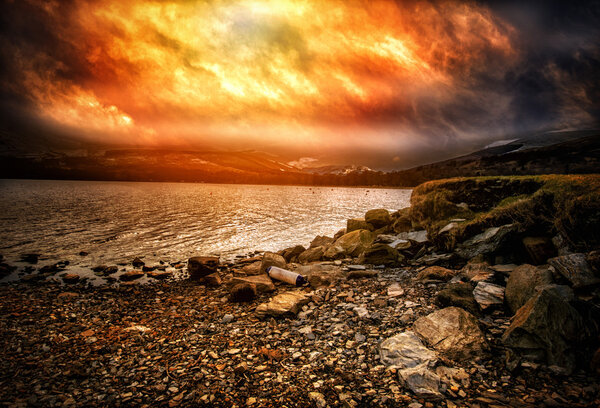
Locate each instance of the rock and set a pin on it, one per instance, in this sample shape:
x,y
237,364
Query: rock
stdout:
x,y
355,224
414,362
362,274
381,254
160,275
595,363
137,262
262,282
320,241
30,258
131,275
200,266
453,332
486,243
311,255
575,269
252,268
477,272
110,270
488,295
319,275
419,237
228,318
334,252
395,290
540,249
291,254
436,273
285,303
593,259
402,223
99,268
71,278
242,292
378,218
214,279
546,329
318,399
460,295
339,234
521,284
272,259
354,243
435,259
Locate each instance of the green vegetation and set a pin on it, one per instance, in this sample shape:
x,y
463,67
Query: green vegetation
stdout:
x,y
545,205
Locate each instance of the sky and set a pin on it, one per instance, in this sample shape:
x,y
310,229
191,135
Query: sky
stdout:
x,y
389,84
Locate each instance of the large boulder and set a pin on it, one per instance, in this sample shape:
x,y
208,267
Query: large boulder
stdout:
x,y
311,255
381,254
272,259
436,273
262,282
522,282
575,269
414,362
378,218
547,328
488,295
354,243
201,266
354,224
453,332
460,295
488,242
282,304
539,249
320,241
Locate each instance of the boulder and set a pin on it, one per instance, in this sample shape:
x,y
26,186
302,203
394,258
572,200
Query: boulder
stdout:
x,y
200,266
291,254
272,259
546,329
414,362
460,295
131,275
282,304
311,255
488,295
575,269
378,218
540,249
262,282
320,241
453,332
381,254
488,242
436,273
355,224
522,282
242,292
354,243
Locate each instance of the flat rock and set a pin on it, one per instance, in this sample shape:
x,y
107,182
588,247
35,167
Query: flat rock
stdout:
x,y
521,284
575,269
488,295
436,273
71,278
285,303
453,332
131,275
160,275
262,282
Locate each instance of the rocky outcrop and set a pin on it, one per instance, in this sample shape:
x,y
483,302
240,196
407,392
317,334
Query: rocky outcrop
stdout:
x,y
547,329
522,282
453,332
200,266
576,270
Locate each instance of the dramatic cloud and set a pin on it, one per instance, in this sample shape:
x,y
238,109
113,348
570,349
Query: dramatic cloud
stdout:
x,y
391,82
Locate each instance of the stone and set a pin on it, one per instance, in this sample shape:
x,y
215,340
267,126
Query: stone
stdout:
x,y
131,275
355,224
311,255
378,218
282,304
200,266
453,332
419,237
395,290
521,284
477,272
263,283
381,254
242,292
291,254
547,329
137,262
214,279
575,269
433,259
318,399
319,275
436,273
460,295
362,274
160,275
540,249
414,362
228,318
339,234
488,295
320,241
354,243
488,242
272,259
448,228
71,278
252,268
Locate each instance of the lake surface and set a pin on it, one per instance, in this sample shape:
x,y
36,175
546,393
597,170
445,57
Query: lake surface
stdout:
x,y
117,221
